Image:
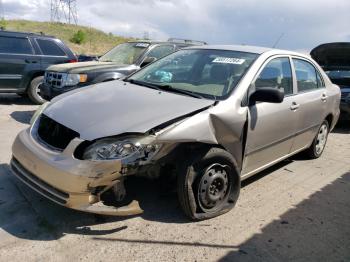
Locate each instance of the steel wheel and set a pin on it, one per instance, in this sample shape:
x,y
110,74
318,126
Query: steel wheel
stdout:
x,y
212,191
321,139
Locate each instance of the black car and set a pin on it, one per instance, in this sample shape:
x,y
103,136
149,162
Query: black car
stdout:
x,y
335,60
119,62
24,58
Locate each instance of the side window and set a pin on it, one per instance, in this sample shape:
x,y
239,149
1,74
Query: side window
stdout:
x,y
278,74
306,74
14,45
49,47
160,51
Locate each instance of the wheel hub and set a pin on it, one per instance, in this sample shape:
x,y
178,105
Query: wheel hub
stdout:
x,y
321,139
213,187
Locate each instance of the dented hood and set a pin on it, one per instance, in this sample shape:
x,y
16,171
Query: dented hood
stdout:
x,y
117,107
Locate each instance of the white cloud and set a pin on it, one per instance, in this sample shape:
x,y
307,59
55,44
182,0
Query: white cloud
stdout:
x,y
305,23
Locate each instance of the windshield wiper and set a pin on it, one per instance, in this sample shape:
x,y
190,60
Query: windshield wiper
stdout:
x,y
180,91
168,88
142,83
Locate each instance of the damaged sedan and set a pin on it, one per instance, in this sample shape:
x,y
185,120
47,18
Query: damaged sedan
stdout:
x,y
205,117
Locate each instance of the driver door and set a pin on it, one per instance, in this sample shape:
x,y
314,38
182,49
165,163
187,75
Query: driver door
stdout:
x,y
271,126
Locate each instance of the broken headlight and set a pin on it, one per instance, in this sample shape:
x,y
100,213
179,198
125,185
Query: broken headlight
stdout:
x,y
138,148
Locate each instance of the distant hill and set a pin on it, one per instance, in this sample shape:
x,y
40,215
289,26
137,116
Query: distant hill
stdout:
x,y
97,42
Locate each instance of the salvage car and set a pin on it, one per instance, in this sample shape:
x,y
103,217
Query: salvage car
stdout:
x,y
206,117
335,60
24,58
121,61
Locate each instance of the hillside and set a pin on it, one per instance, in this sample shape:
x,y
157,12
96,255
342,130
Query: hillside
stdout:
x,y
97,42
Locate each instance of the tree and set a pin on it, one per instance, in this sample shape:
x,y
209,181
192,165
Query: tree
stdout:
x,y
79,37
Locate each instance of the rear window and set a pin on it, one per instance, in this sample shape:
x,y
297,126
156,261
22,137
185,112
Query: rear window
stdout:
x,y
49,47
14,45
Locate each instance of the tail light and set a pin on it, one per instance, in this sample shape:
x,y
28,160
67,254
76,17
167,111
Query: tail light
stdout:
x,y
73,61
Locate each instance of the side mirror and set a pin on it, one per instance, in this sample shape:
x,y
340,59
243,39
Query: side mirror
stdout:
x,y
148,60
267,94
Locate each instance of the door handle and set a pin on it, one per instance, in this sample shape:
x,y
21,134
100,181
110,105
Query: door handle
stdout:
x,y
30,61
294,106
324,97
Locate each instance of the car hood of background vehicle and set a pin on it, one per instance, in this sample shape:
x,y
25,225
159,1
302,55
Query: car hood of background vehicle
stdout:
x,y
116,107
85,67
332,55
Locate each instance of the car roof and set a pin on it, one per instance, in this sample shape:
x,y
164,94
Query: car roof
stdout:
x,y
249,49
23,34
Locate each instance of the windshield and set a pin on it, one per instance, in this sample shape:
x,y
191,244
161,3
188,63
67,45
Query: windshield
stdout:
x,y
125,54
211,74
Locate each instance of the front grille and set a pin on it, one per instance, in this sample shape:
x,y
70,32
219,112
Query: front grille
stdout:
x,y
37,184
54,79
54,134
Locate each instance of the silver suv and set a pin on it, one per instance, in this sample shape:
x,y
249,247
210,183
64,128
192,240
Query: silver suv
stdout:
x,y
203,119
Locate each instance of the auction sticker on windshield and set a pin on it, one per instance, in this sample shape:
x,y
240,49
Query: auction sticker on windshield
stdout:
x,y
142,45
229,60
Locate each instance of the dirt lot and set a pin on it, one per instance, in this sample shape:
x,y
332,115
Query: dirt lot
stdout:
x,y
298,210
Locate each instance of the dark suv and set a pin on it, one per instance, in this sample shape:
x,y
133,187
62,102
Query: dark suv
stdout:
x,y
24,58
119,62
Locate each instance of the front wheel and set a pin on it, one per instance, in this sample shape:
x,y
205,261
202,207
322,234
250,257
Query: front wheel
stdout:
x,y
34,91
208,184
319,143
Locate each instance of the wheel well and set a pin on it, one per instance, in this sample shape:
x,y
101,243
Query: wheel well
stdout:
x,y
34,76
329,119
183,150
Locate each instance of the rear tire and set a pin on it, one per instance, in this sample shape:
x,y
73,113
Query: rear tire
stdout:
x,y
319,143
208,184
33,90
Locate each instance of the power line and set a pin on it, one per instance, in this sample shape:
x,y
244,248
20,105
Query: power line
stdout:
x,y
2,13
64,11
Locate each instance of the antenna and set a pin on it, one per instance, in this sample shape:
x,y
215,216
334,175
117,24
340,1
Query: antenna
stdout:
x,y
278,40
65,10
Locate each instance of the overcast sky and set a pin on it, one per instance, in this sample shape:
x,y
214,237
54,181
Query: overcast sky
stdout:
x,y
303,23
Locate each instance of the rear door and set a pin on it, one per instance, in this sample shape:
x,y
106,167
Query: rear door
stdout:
x,y
16,55
271,127
52,52
311,100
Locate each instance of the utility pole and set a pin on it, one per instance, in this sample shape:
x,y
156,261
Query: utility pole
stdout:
x,y
64,11
2,13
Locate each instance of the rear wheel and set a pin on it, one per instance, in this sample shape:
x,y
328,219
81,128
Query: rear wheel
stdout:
x,y
319,142
208,184
34,91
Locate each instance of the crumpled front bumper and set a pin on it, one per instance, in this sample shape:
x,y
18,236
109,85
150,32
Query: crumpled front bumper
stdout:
x,y
65,180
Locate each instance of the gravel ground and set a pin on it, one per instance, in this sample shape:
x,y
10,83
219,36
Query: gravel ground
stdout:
x,y
296,211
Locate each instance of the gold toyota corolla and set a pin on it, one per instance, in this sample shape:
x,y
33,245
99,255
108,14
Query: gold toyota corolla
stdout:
x,y
203,118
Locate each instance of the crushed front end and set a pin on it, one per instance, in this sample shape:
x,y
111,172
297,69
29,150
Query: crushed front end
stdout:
x,y
51,159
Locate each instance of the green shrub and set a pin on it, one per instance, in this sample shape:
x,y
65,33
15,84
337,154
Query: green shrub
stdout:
x,y
79,37
2,24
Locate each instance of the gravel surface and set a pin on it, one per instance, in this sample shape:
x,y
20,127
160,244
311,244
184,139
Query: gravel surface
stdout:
x,y
298,210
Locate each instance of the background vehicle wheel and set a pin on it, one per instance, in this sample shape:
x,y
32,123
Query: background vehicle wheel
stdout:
x,y
33,90
208,184
319,143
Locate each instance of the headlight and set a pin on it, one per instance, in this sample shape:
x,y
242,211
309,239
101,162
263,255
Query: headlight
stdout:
x,y
141,148
38,112
74,79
